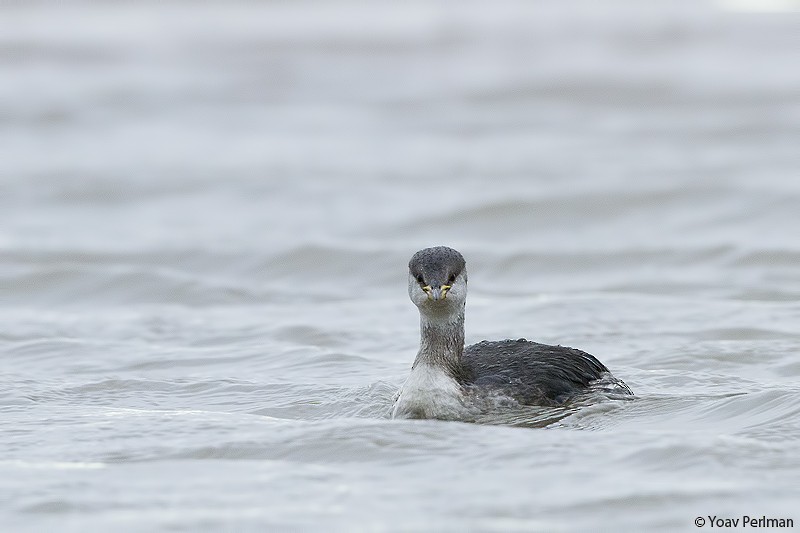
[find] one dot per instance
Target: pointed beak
(435, 293)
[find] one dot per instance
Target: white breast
(429, 392)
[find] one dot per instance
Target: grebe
(451, 382)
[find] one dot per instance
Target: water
(206, 212)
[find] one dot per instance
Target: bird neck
(441, 342)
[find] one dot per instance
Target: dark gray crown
(436, 265)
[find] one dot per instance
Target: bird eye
(451, 279)
(420, 279)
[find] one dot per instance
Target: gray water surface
(206, 212)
